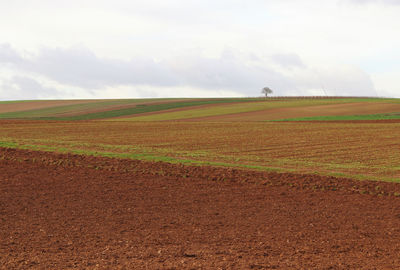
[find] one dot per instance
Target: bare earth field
(40, 104)
(281, 113)
(347, 149)
(194, 109)
(216, 188)
(67, 211)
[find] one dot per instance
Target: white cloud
(336, 81)
(94, 46)
(189, 74)
(388, 2)
(25, 88)
(288, 60)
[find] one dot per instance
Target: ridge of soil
(62, 211)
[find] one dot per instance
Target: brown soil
(166, 111)
(41, 104)
(307, 111)
(66, 211)
(371, 149)
(115, 107)
(189, 108)
(382, 121)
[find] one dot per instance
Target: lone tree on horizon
(266, 91)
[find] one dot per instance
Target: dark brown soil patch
(67, 211)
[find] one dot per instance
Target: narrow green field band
(381, 116)
(51, 112)
(248, 104)
(154, 158)
(42, 113)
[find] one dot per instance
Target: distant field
(254, 133)
(97, 109)
(207, 110)
(355, 150)
(274, 110)
(61, 109)
(381, 116)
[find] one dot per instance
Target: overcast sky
(198, 48)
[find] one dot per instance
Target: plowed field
(204, 109)
(18, 106)
(351, 149)
(66, 211)
(271, 110)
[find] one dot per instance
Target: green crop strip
(142, 109)
(175, 160)
(229, 108)
(236, 108)
(75, 108)
(17, 101)
(49, 113)
(382, 116)
(55, 113)
(134, 156)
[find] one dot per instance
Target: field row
(216, 110)
(357, 150)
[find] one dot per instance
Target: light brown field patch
(188, 108)
(366, 150)
(40, 104)
(115, 107)
(357, 108)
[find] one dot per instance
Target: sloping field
(364, 150)
(215, 110)
(65, 108)
(275, 109)
(101, 109)
(313, 112)
(66, 211)
(30, 105)
(196, 194)
(395, 117)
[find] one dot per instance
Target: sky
(53, 49)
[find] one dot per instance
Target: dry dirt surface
(62, 211)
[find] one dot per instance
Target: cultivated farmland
(365, 150)
(200, 183)
(215, 110)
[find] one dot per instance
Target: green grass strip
(235, 108)
(51, 112)
(172, 160)
(382, 116)
(16, 101)
(142, 109)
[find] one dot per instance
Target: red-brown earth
(61, 211)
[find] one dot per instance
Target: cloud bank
(98, 49)
(231, 72)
